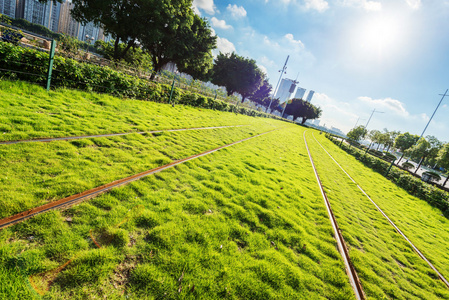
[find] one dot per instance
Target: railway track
(350, 270)
(421, 255)
(74, 199)
(68, 138)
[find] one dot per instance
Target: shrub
(406, 165)
(403, 179)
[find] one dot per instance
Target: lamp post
(89, 39)
(374, 110)
(279, 81)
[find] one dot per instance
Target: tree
(262, 93)
(435, 146)
(182, 38)
(124, 20)
(357, 133)
(419, 151)
(443, 160)
(404, 141)
(275, 104)
(375, 136)
(300, 108)
(135, 57)
(237, 74)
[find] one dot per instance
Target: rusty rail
(350, 270)
(71, 200)
(112, 134)
(388, 219)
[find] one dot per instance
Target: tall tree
(357, 133)
(300, 108)
(435, 146)
(404, 141)
(262, 93)
(182, 37)
(419, 151)
(237, 74)
(124, 20)
(443, 160)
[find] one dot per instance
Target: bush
(31, 65)
(406, 165)
(403, 179)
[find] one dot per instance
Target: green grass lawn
(28, 111)
(387, 265)
(246, 222)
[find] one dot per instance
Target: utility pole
(279, 81)
(425, 128)
(374, 110)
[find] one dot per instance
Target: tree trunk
(122, 55)
(400, 158)
(303, 120)
(116, 54)
(419, 165)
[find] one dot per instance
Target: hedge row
(414, 186)
(31, 65)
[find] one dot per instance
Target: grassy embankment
(246, 222)
(387, 265)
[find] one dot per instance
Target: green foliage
(357, 133)
(11, 35)
(35, 28)
(405, 140)
(237, 74)
(408, 166)
(70, 45)
(403, 179)
(69, 73)
(299, 108)
(134, 57)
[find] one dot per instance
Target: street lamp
(89, 39)
(277, 85)
(374, 110)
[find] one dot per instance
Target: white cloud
(388, 104)
(414, 4)
(219, 23)
(365, 4)
(207, 5)
(224, 45)
(290, 38)
(236, 11)
(318, 5)
(372, 6)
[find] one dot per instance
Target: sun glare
(379, 37)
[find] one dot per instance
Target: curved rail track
(350, 270)
(71, 200)
(442, 278)
(68, 138)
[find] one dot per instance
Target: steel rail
(388, 219)
(350, 270)
(71, 200)
(68, 138)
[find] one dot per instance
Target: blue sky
(358, 55)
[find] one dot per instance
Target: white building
(310, 95)
(300, 93)
(285, 90)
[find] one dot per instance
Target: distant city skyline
(54, 16)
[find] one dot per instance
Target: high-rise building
(310, 95)
(53, 15)
(8, 8)
(285, 90)
(300, 93)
